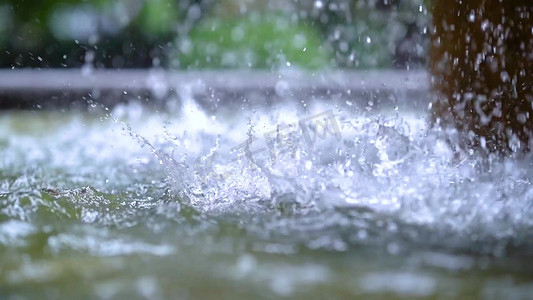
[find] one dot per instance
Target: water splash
(391, 165)
(193, 186)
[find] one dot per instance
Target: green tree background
(196, 34)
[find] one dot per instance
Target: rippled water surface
(304, 200)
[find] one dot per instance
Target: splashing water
(321, 159)
(289, 199)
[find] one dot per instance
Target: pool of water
(324, 199)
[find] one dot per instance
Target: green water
(87, 213)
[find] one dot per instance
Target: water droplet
(484, 25)
(472, 16)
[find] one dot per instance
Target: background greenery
(184, 34)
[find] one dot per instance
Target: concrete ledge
(52, 88)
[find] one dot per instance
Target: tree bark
(481, 64)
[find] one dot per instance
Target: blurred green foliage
(253, 42)
(208, 34)
(158, 16)
(28, 11)
(371, 48)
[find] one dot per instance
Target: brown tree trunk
(481, 62)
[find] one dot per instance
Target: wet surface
(304, 200)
